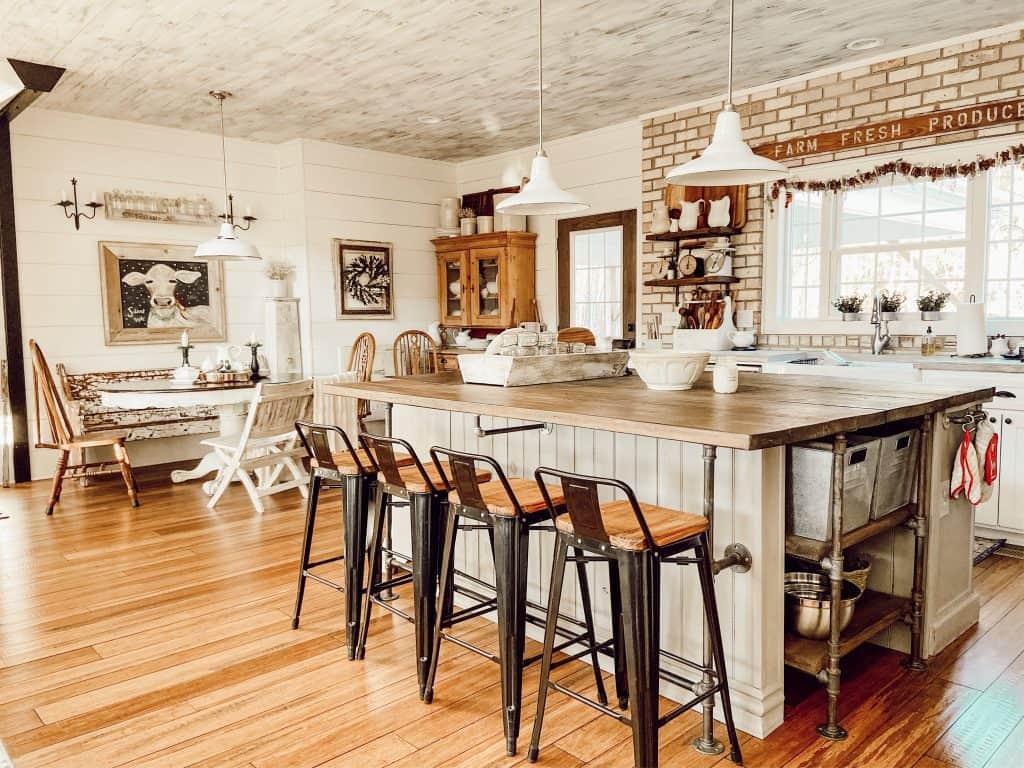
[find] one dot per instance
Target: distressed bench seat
(89, 415)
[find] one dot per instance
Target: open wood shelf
(679, 281)
(692, 234)
(873, 613)
(810, 549)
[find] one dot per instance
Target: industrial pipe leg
(831, 729)
(920, 526)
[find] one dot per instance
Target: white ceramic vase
(449, 212)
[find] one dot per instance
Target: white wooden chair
(267, 445)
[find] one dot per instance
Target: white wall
(59, 267)
(602, 167)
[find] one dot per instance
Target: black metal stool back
(464, 476)
(583, 504)
(357, 489)
(381, 451)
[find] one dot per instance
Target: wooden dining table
(229, 399)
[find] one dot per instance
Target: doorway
(597, 274)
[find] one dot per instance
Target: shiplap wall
(602, 167)
(59, 267)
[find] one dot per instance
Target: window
(596, 288)
(961, 235)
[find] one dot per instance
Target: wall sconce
(67, 205)
(230, 216)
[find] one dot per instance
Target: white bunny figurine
(719, 214)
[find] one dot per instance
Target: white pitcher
(659, 219)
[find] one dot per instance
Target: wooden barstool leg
(588, 619)
(355, 508)
(511, 563)
(615, 595)
(707, 587)
(444, 593)
(639, 577)
(58, 481)
(307, 546)
(373, 570)
(554, 605)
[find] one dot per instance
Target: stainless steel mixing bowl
(809, 601)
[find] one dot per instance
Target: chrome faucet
(880, 340)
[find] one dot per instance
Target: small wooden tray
(503, 371)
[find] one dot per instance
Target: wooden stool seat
(346, 466)
(527, 493)
(667, 526)
(412, 479)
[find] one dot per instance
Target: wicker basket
(856, 569)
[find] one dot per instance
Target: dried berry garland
(367, 279)
(784, 188)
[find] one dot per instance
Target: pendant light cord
(224, 157)
(540, 77)
(732, 26)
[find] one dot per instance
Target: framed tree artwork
(363, 279)
(151, 293)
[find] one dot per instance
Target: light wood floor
(160, 637)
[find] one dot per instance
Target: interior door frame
(625, 219)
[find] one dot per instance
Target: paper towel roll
(970, 329)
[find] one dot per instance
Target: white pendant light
(226, 246)
(727, 160)
(541, 195)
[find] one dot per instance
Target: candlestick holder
(71, 207)
(184, 354)
(254, 364)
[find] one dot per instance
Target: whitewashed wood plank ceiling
(364, 73)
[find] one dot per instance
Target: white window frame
(774, 303)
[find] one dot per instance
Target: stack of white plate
(445, 232)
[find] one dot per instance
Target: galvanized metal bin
(897, 468)
(809, 487)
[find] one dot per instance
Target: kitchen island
(725, 456)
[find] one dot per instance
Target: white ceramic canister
(449, 213)
(484, 225)
(726, 377)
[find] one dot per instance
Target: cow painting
(155, 292)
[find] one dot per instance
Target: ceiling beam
(37, 79)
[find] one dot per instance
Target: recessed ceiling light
(429, 119)
(864, 43)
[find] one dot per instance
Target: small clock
(718, 263)
(691, 266)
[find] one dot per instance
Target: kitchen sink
(851, 366)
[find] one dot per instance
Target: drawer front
(448, 361)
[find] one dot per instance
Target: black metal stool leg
(511, 563)
(554, 603)
(444, 598)
(638, 572)
(588, 619)
(615, 594)
(373, 569)
(355, 511)
(707, 587)
(425, 509)
(307, 545)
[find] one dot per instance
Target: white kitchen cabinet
(1011, 453)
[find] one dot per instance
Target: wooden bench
(88, 414)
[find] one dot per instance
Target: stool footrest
(602, 708)
(322, 580)
(668, 717)
(391, 608)
(469, 646)
(561, 647)
(328, 561)
(472, 612)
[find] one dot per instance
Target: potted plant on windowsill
(850, 307)
(279, 272)
(889, 303)
(930, 304)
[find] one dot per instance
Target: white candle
(248, 210)
(252, 340)
(63, 195)
(184, 338)
(94, 197)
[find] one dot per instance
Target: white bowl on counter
(668, 369)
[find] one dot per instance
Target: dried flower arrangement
(279, 270)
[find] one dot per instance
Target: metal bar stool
(509, 510)
(426, 491)
(638, 538)
(354, 473)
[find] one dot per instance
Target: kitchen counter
(764, 413)
(671, 447)
(939, 362)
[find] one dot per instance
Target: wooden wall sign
(916, 127)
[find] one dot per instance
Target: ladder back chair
(64, 439)
(577, 335)
(267, 445)
(360, 362)
(415, 354)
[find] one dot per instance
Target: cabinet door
(1011, 452)
(987, 513)
(453, 287)
(489, 300)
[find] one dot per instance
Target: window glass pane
(597, 280)
(858, 219)
(1004, 257)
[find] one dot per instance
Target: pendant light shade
(728, 160)
(541, 195)
(226, 246)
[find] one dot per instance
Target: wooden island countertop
(768, 410)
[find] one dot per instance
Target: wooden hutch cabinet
(485, 281)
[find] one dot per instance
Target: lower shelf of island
(875, 612)
(812, 549)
